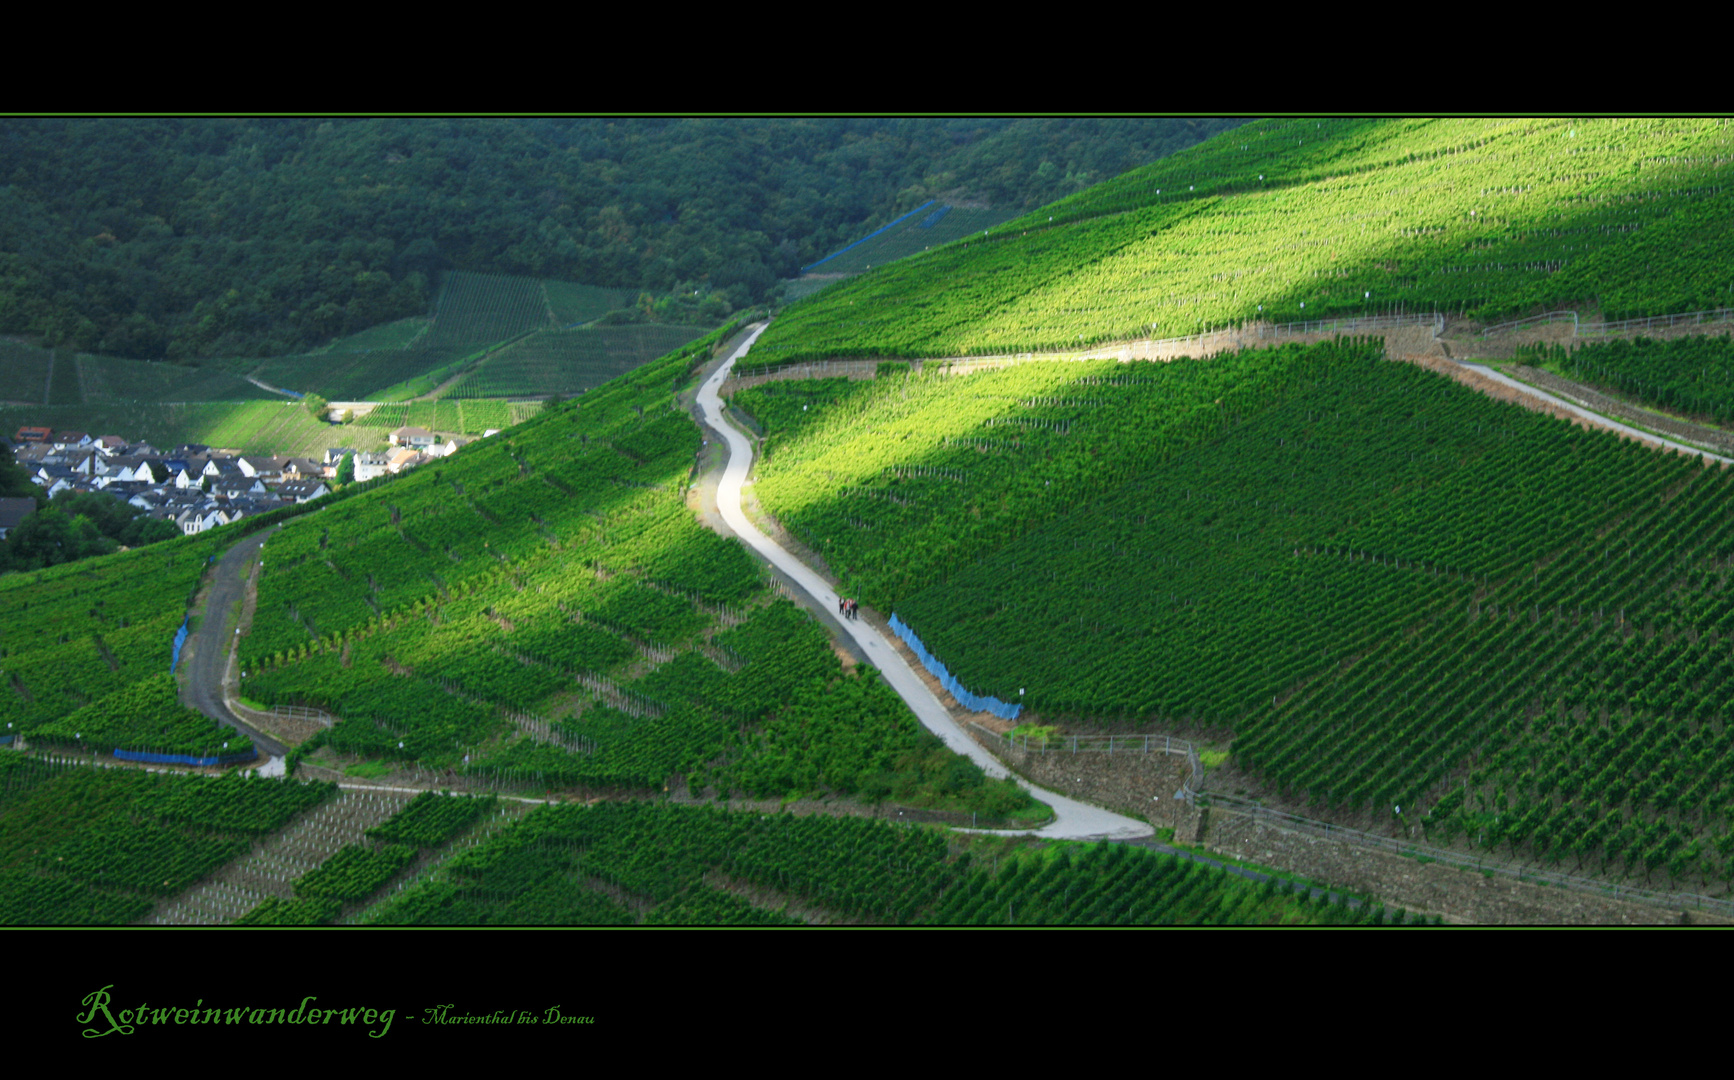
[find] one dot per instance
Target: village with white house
(200, 487)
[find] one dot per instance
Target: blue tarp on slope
(180, 639)
(869, 236)
(186, 759)
(974, 702)
(932, 219)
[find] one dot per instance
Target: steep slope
(1288, 220)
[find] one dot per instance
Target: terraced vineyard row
(937, 225)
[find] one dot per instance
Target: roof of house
(413, 433)
(14, 511)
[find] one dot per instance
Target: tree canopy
(190, 238)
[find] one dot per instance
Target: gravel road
(1073, 820)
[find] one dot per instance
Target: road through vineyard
(1073, 820)
(210, 656)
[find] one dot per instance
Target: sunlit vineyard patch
(1287, 220)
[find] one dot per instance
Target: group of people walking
(846, 607)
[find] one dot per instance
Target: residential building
(421, 438)
(13, 512)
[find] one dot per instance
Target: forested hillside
(193, 238)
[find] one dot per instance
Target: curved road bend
(1073, 820)
(210, 660)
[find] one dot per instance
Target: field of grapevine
(658, 864)
(940, 224)
(460, 416)
(112, 381)
(355, 376)
(1394, 592)
(63, 388)
(570, 361)
(253, 427)
(1688, 376)
(543, 609)
(73, 635)
(23, 373)
(92, 846)
(478, 309)
(411, 357)
(400, 334)
(572, 303)
(1286, 220)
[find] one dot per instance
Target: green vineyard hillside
(573, 866)
(1393, 591)
(1288, 220)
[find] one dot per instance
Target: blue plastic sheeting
(5, 740)
(180, 639)
(932, 219)
(973, 702)
(869, 236)
(186, 759)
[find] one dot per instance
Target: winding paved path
(1593, 417)
(210, 659)
(1073, 820)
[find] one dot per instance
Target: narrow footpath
(1072, 821)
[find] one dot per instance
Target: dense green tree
(15, 482)
(51, 536)
(193, 238)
